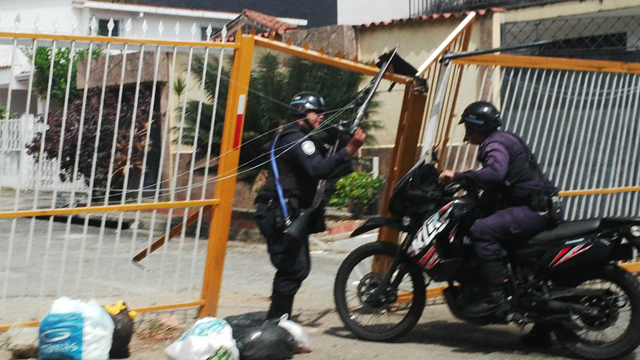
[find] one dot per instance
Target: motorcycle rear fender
(378, 222)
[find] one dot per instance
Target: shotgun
(299, 226)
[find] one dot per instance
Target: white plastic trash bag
(209, 338)
(75, 330)
(297, 331)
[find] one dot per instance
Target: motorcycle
(567, 277)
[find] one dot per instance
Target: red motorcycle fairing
(426, 249)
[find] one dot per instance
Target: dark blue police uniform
(507, 169)
(301, 165)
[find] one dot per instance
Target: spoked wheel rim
(612, 319)
(388, 316)
(611, 327)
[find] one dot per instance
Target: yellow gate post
(405, 149)
(227, 171)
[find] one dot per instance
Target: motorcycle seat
(566, 230)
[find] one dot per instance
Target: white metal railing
(110, 144)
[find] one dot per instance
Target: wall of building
(73, 17)
(358, 12)
(41, 14)
(417, 40)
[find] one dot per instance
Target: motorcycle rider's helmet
(481, 116)
(306, 101)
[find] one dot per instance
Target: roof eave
(430, 17)
(158, 10)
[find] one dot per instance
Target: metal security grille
(605, 37)
(581, 125)
(438, 6)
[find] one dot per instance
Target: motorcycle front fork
(386, 291)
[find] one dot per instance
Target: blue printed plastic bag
(75, 330)
(61, 336)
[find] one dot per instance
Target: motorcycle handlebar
(429, 196)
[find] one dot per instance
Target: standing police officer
(297, 165)
(527, 200)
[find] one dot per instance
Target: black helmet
(306, 101)
(481, 116)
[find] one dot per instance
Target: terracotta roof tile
(268, 21)
(263, 23)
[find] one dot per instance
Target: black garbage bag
(259, 339)
(121, 334)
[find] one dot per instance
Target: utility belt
(271, 220)
(273, 205)
(549, 205)
(544, 202)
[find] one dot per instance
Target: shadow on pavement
(465, 338)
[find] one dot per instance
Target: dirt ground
(149, 339)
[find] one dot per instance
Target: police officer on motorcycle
(527, 201)
(297, 165)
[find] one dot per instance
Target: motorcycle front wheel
(389, 316)
(613, 329)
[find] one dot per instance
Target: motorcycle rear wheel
(356, 279)
(615, 332)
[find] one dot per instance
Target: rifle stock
(299, 226)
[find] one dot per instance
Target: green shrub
(358, 189)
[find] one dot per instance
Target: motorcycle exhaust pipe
(564, 307)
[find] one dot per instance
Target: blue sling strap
(276, 174)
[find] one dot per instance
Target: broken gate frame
(221, 204)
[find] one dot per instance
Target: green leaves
(62, 59)
(360, 188)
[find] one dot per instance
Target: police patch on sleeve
(308, 147)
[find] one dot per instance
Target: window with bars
(103, 27)
(419, 7)
(614, 38)
(203, 32)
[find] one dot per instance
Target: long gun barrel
(370, 91)
(298, 227)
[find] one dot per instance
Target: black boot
(493, 274)
(539, 336)
(280, 305)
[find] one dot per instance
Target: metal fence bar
(623, 162)
(635, 168)
(85, 261)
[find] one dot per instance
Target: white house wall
(43, 14)
(417, 41)
(357, 12)
(74, 17)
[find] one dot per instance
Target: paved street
(246, 287)
(247, 284)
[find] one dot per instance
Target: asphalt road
(246, 287)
